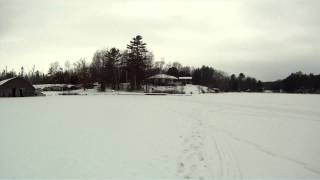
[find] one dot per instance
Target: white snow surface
(188, 89)
(208, 136)
(195, 89)
(41, 86)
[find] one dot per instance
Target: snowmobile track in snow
(206, 155)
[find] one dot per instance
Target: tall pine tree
(112, 58)
(137, 61)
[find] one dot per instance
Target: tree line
(298, 82)
(111, 67)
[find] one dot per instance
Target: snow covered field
(209, 136)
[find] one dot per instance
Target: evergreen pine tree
(137, 61)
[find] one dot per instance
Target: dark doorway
(21, 93)
(13, 92)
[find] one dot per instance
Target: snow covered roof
(162, 76)
(187, 78)
(25, 82)
(5, 81)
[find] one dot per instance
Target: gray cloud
(263, 38)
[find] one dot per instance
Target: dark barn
(16, 87)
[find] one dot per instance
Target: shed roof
(162, 76)
(6, 80)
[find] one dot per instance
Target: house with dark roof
(16, 87)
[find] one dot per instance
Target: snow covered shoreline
(67, 89)
(220, 136)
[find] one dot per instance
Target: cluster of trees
(243, 83)
(207, 76)
(111, 67)
(33, 75)
(296, 83)
(212, 78)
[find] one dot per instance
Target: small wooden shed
(16, 87)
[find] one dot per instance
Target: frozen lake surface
(213, 136)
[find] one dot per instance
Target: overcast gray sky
(266, 39)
